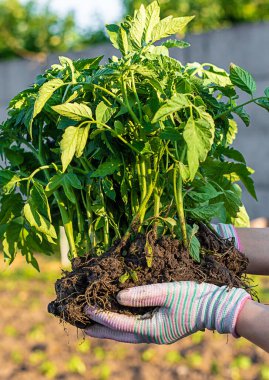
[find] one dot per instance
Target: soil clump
(94, 280)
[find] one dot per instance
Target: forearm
(254, 243)
(253, 324)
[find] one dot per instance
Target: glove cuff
(226, 306)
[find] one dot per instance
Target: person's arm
(253, 324)
(254, 243)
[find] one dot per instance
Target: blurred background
(33, 344)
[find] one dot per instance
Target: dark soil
(95, 280)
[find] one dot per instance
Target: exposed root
(95, 280)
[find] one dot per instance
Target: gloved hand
(184, 308)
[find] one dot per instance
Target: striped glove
(183, 308)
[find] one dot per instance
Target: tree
(209, 14)
(31, 31)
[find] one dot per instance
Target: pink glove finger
(115, 321)
(102, 332)
(147, 295)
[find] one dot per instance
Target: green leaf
(67, 62)
(170, 133)
(168, 26)
(87, 63)
(44, 94)
(99, 223)
(205, 212)
(263, 102)
(123, 41)
(138, 26)
(123, 278)
(149, 253)
(35, 219)
(11, 240)
(233, 154)
(242, 79)
(119, 128)
(106, 168)
(103, 113)
(234, 172)
(113, 31)
(176, 103)
(152, 19)
(241, 112)
(39, 198)
(11, 206)
(14, 156)
(194, 244)
(68, 145)
(8, 181)
(198, 135)
(194, 248)
(69, 192)
(54, 183)
(184, 172)
(232, 131)
(109, 189)
(73, 180)
(159, 50)
(75, 111)
(175, 44)
(133, 275)
(67, 181)
(32, 260)
(266, 92)
(241, 219)
(82, 137)
(203, 193)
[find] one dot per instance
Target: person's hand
(183, 308)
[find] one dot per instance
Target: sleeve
(228, 231)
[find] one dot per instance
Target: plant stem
(177, 182)
(106, 233)
(143, 189)
(124, 91)
(234, 108)
(136, 96)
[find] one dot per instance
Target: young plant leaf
(176, 103)
(199, 136)
(44, 94)
(242, 79)
(263, 102)
(241, 112)
(68, 145)
(113, 30)
(35, 219)
(106, 168)
(168, 26)
(138, 27)
(176, 44)
(74, 111)
(152, 19)
(194, 244)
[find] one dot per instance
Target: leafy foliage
(140, 143)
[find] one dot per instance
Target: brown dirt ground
(34, 346)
